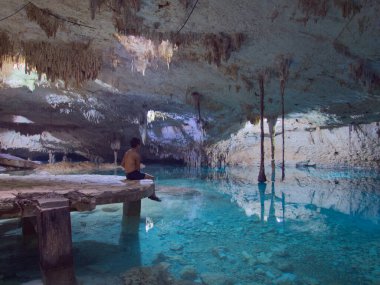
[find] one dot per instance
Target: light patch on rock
(106, 86)
(93, 116)
(145, 53)
(57, 99)
(12, 139)
(13, 74)
(21, 119)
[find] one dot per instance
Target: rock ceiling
(95, 68)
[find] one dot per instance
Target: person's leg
(148, 176)
(153, 196)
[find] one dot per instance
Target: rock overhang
(333, 52)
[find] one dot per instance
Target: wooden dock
(44, 202)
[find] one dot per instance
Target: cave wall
(353, 145)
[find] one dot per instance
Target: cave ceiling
(96, 68)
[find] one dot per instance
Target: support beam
(29, 226)
(59, 276)
(132, 208)
(54, 233)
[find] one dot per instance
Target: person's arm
(123, 161)
(137, 161)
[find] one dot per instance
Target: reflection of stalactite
(261, 78)
(272, 210)
(262, 188)
(283, 66)
(272, 133)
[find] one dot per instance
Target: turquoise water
(221, 227)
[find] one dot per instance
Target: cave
(258, 122)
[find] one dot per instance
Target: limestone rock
(188, 273)
(216, 279)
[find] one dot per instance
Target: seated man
(131, 165)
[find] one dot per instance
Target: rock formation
(82, 73)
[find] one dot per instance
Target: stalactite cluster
(363, 72)
(313, 7)
(125, 18)
(43, 18)
(220, 46)
(348, 7)
(67, 61)
(94, 5)
(6, 47)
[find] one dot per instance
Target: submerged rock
(189, 273)
(216, 279)
(285, 279)
(306, 163)
(110, 209)
(157, 275)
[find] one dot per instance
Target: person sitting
(131, 165)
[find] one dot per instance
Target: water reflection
(343, 191)
(130, 241)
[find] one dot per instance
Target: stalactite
(283, 70)
(115, 146)
(125, 17)
(272, 120)
(66, 61)
(197, 102)
(43, 18)
(221, 45)
(94, 5)
(261, 78)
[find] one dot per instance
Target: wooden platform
(20, 195)
(44, 202)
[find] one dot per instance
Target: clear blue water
(317, 227)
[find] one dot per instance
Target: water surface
(316, 227)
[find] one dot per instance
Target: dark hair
(135, 142)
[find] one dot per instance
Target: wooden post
(59, 276)
(54, 233)
(129, 236)
(28, 226)
(132, 208)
